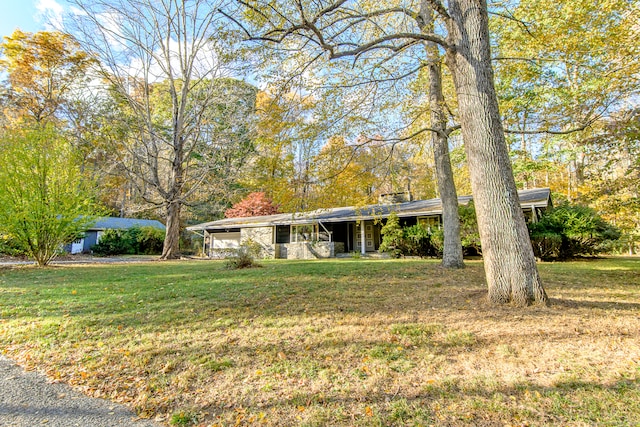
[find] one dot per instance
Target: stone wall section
(306, 250)
(262, 236)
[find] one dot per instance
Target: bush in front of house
(415, 240)
(561, 233)
(245, 256)
(568, 231)
(469, 234)
(133, 241)
(392, 237)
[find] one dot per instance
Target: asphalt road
(27, 399)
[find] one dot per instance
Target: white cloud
(51, 13)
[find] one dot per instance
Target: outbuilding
(93, 234)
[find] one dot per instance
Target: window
(283, 234)
(430, 222)
(303, 233)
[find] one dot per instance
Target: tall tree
(452, 247)
(384, 31)
(285, 143)
(344, 173)
(146, 49)
(42, 69)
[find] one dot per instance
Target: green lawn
(339, 342)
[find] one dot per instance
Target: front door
(369, 237)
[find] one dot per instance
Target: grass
(342, 342)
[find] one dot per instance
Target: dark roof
(538, 197)
(105, 223)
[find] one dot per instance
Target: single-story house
(323, 233)
(93, 234)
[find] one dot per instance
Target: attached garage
(218, 243)
(225, 240)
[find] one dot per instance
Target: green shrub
(415, 240)
(149, 240)
(10, 246)
(571, 230)
(469, 233)
(113, 242)
(393, 241)
(245, 256)
(135, 240)
(419, 241)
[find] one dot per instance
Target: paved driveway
(27, 399)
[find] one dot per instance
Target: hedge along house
(323, 233)
(93, 233)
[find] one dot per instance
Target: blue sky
(28, 15)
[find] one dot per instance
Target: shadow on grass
(595, 305)
(453, 403)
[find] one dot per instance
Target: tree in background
(176, 52)
(279, 167)
(564, 72)
(346, 174)
(49, 81)
(45, 200)
(255, 204)
(43, 69)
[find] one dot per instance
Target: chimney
(393, 198)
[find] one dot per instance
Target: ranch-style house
(323, 233)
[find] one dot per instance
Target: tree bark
(510, 265)
(452, 248)
(171, 247)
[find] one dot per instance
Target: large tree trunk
(452, 250)
(510, 266)
(171, 247)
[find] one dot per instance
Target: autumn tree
(49, 82)
(284, 145)
(570, 70)
(177, 52)
(42, 70)
(378, 33)
(563, 70)
(45, 200)
(254, 204)
(344, 177)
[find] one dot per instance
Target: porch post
(362, 235)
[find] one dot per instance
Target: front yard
(333, 342)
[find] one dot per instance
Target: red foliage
(254, 204)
